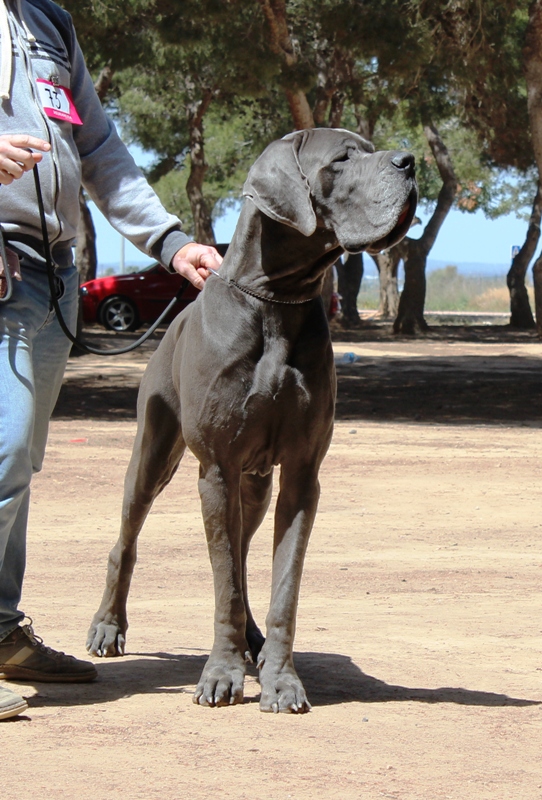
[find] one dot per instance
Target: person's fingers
(5, 178)
(18, 161)
(193, 261)
(195, 277)
(15, 159)
(211, 259)
(12, 167)
(194, 252)
(26, 141)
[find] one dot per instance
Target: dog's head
(332, 178)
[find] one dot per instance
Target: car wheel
(119, 314)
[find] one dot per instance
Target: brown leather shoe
(24, 657)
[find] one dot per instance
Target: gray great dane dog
(244, 377)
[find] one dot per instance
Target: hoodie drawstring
(6, 59)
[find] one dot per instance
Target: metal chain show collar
(256, 295)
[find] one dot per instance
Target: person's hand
(15, 158)
(194, 260)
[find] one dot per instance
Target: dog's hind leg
(158, 449)
(255, 498)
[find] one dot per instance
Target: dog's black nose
(405, 162)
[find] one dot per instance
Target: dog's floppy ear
(277, 186)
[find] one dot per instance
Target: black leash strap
(86, 348)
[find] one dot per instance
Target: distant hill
(470, 268)
(465, 268)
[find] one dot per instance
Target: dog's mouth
(404, 214)
(400, 229)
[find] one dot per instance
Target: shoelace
(38, 642)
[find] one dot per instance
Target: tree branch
(103, 82)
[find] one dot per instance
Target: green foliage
(153, 108)
(481, 185)
(231, 144)
(393, 64)
(111, 31)
(479, 44)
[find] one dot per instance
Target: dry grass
(450, 290)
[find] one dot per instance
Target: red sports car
(125, 302)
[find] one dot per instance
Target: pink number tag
(57, 102)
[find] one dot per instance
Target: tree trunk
(103, 83)
(203, 226)
(521, 315)
(337, 108)
(532, 59)
(327, 290)
(350, 274)
(387, 263)
(281, 43)
(86, 258)
(532, 62)
(85, 249)
(365, 126)
(537, 281)
(410, 318)
(299, 109)
(324, 93)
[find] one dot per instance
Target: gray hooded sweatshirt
(44, 50)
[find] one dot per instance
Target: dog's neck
(278, 266)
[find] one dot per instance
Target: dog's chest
(265, 392)
(276, 386)
(273, 417)
(281, 411)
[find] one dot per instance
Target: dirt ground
(419, 626)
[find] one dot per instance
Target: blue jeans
(33, 356)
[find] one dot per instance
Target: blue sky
(463, 239)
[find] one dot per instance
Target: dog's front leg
(282, 689)
(256, 493)
(222, 679)
(158, 448)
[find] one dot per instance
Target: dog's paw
(220, 686)
(105, 640)
(282, 692)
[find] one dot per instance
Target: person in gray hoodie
(51, 115)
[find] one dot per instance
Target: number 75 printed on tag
(57, 102)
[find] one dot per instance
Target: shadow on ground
(438, 387)
(462, 389)
(329, 679)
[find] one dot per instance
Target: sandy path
(418, 629)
